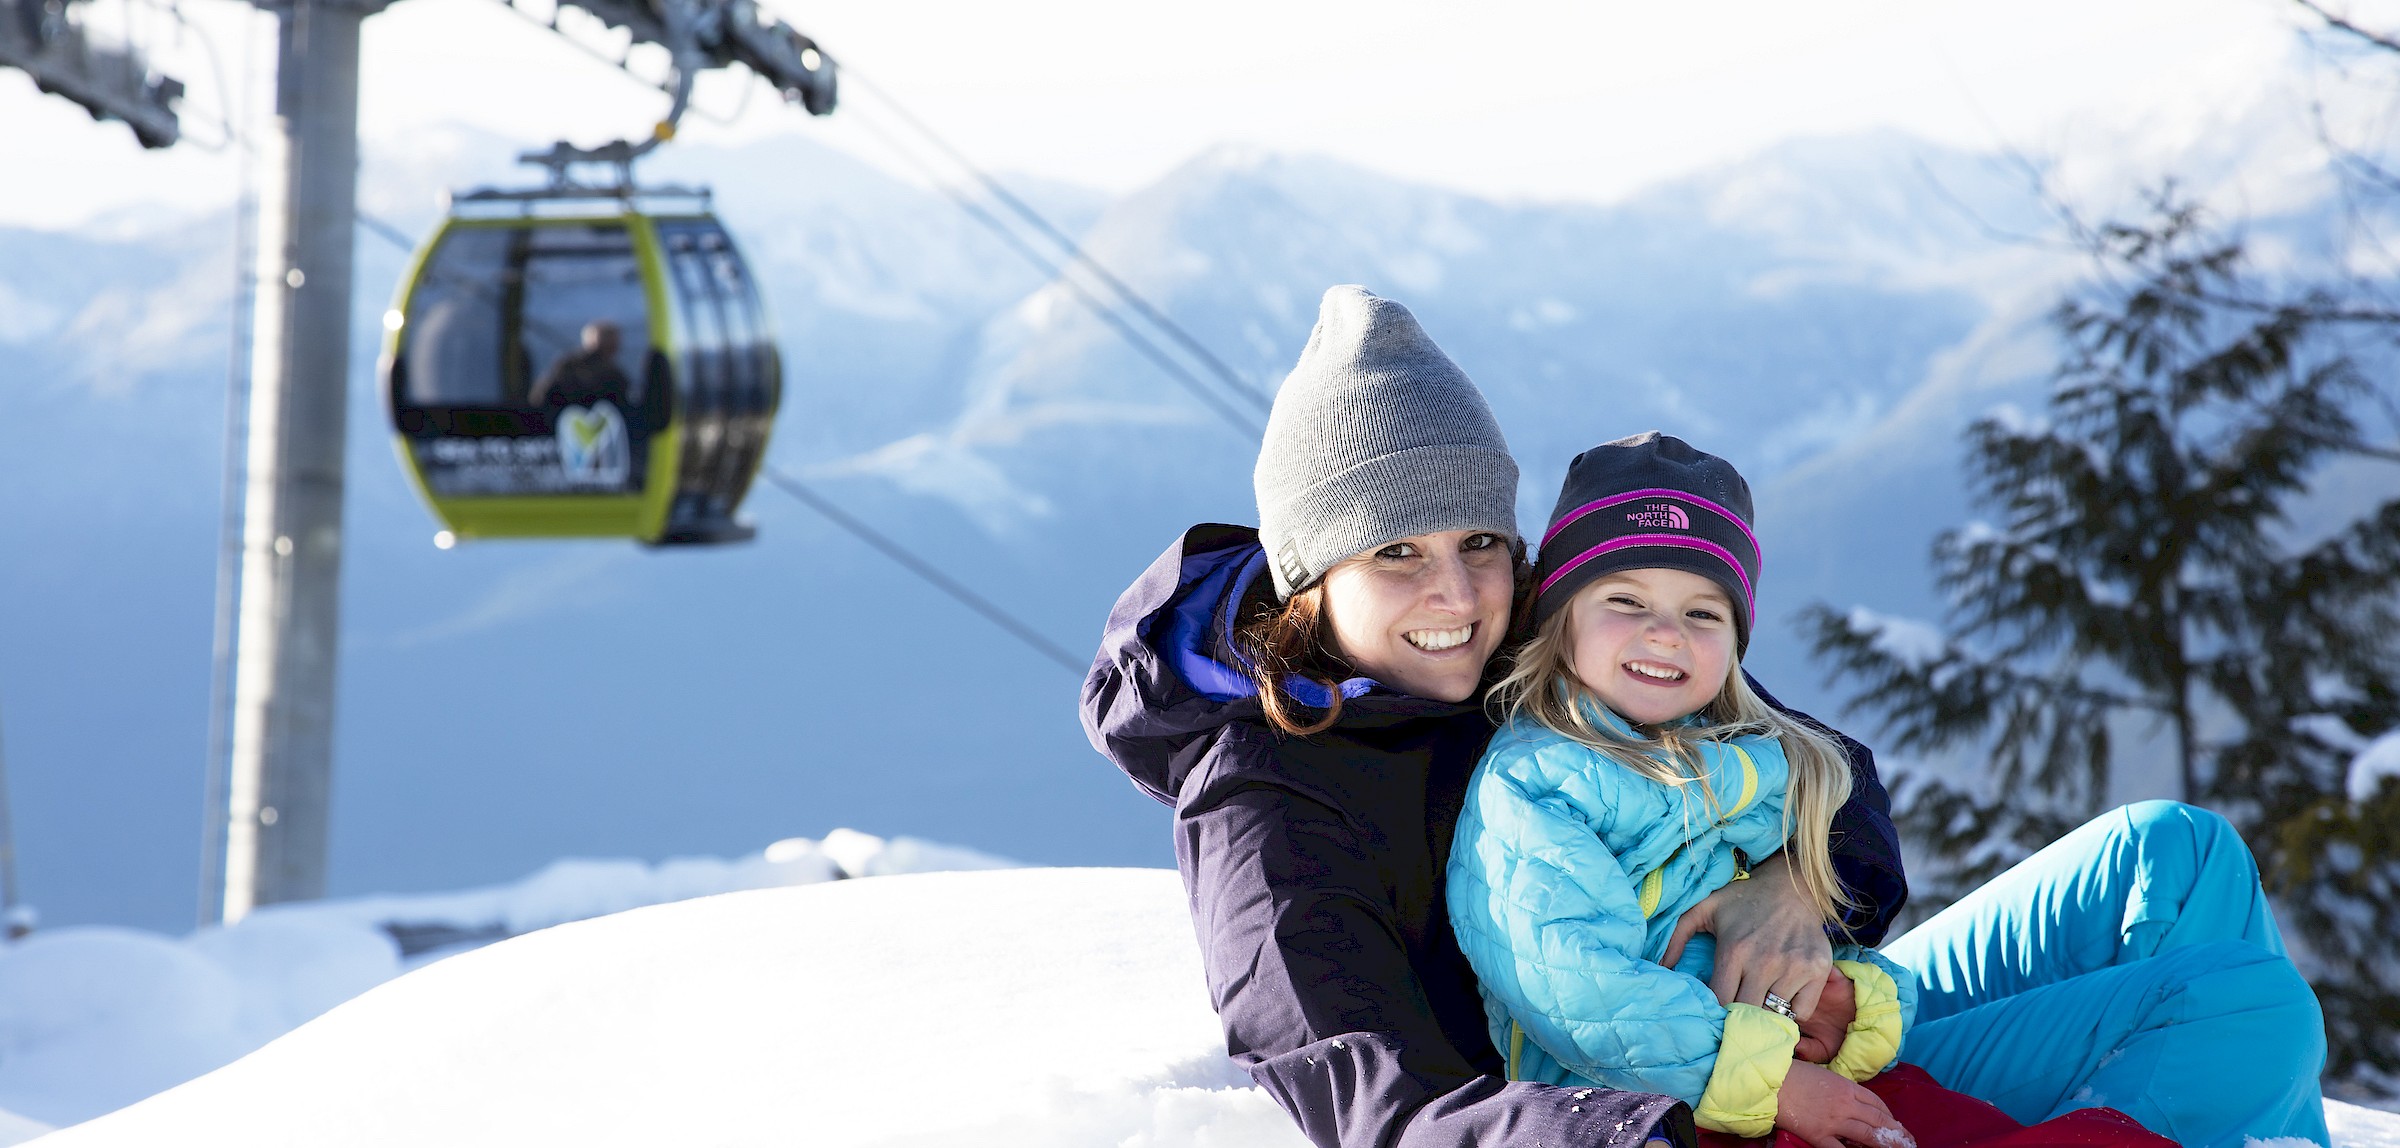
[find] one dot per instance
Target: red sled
(1939, 1118)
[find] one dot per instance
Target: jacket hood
(1167, 675)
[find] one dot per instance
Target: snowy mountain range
(1827, 315)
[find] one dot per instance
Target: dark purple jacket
(1314, 867)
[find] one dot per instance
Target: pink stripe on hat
(1686, 542)
(1655, 492)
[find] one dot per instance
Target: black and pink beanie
(1644, 502)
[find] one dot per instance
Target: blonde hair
(1541, 684)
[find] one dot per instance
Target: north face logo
(1661, 516)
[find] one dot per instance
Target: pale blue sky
(1548, 100)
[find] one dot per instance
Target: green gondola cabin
(582, 363)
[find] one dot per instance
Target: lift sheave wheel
(566, 364)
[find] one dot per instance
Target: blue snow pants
(2131, 964)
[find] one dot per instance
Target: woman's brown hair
(1282, 641)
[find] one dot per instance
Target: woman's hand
(1769, 940)
(1822, 1034)
(1822, 1107)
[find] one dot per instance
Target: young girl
(1638, 773)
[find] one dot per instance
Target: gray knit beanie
(1376, 435)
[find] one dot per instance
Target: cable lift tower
(288, 626)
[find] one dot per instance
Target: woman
(1308, 697)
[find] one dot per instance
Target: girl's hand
(1769, 940)
(1822, 1107)
(1822, 1034)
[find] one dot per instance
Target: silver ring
(1781, 1007)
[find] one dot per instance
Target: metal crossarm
(703, 34)
(40, 37)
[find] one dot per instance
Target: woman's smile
(1423, 614)
(1438, 641)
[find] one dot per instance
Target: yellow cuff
(1752, 1061)
(1873, 1042)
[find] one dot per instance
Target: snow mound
(1053, 1007)
(95, 1018)
(1056, 1007)
(2356, 1127)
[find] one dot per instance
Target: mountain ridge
(503, 704)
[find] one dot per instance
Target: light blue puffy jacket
(1566, 878)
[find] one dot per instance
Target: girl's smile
(1653, 645)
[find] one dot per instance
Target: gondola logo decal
(593, 448)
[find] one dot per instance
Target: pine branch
(2359, 562)
(2140, 567)
(2366, 449)
(2324, 312)
(2338, 23)
(1934, 703)
(2364, 166)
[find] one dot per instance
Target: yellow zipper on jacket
(1749, 782)
(1654, 886)
(1654, 883)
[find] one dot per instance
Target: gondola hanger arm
(703, 34)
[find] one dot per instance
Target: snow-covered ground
(93, 1019)
(1057, 1007)
(1053, 1007)
(2356, 1127)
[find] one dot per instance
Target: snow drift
(93, 1019)
(1055, 1007)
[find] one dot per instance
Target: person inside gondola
(586, 374)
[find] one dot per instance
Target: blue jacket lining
(1216, 587)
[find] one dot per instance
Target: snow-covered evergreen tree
(2144, 565)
